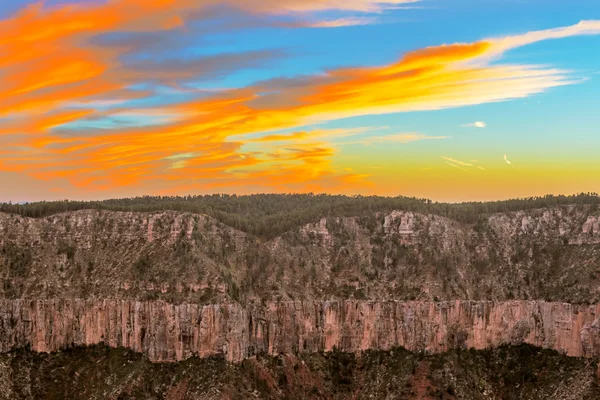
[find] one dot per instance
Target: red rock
(167, 332)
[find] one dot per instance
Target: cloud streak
(342, 22)
(452, 160)
(501, 45)
(398, 138)
(456, 166)
(462, 165)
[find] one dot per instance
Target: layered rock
(168, 332)
(547, 254)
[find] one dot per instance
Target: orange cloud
(320, 134)
(278, 138)
(212, 132)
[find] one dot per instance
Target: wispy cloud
(456, 166)
(476, 124)
(399, 138)
(452, 160)
(460, 164)
(315, 134)
(506, 159)
(342, 22)
(501, 45)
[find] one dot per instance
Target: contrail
(505, 159)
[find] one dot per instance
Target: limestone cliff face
(167, 332)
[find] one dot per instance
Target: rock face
(168, 332)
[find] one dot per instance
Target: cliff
(173, 285)
(168, 332)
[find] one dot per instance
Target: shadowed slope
(101, 373)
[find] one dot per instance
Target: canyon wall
(548, 254)
(178, 280)
(169, 332)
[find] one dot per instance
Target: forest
(269, 215)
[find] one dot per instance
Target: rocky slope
(548, 254)
(516, 372)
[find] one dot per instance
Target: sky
(452, 100)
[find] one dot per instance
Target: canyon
(177, 287)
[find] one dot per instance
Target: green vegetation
(269, 215)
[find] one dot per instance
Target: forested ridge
(269, 215)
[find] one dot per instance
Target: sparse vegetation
(98, 372)
(18, 259)
(188, 257)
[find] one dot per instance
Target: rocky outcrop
(168, 332)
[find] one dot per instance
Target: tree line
(269, 215)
